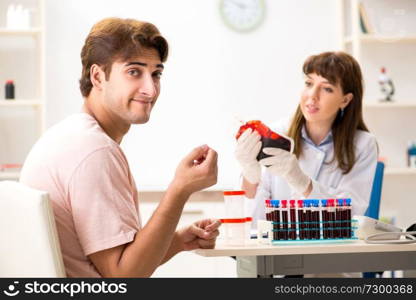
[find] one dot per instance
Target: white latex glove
(248, 147)
(283, 163)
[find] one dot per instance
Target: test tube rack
(309, 220)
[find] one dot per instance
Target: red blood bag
(269, 138)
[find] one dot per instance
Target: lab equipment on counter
(374, 231)
(236, 225)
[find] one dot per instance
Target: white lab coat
(327, 179)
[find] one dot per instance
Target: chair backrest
(374, 206)
(29, 245)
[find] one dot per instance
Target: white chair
(29, 245)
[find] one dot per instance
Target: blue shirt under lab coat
(327, 179)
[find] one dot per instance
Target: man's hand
(201, 234)
(198, 170)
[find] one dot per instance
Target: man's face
(133, 87)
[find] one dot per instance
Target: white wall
(211, 75)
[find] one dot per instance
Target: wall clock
(242, 15)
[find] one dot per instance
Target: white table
(259, 260)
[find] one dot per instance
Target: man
(80, 163)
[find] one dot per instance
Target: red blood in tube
(347, 205)
(285, 220)
(317, 219)
(344, 221)
(308, 220)
(341, 222)
(278, 224)
(348, 218)
(331, 218)
(314, 217)
(301, 220)
(268, 212)
(292, 233)
(325, 219)
(338, 218)
(273, 217)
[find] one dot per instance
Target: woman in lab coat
(334, 156)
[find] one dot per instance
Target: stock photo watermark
(66, 288)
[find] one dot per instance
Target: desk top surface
(299, 248)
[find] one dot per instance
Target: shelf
(22, 32)
(374, 38)
(394, 104)
(21, 102)
(400, 171)
(9, 175)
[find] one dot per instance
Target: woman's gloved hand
(248, 147)
(285, 164)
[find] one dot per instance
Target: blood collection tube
(273, 218)
(292, 232)
(314, 219)
(344, 230)
(268, 210)
(308, 219)
(277, 220)
(301, 220)
(347, 219)
(339, 218)
(324, 213)
(312, 224)
(331, 218)
(285, 219)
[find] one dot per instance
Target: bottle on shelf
(17, 17)
(411, 154)
(9, 89)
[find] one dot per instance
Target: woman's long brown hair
(336, 67)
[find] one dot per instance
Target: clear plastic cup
(234, 204)
(235, 231)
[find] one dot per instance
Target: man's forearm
(175, 247)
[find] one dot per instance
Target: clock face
(242, 15)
